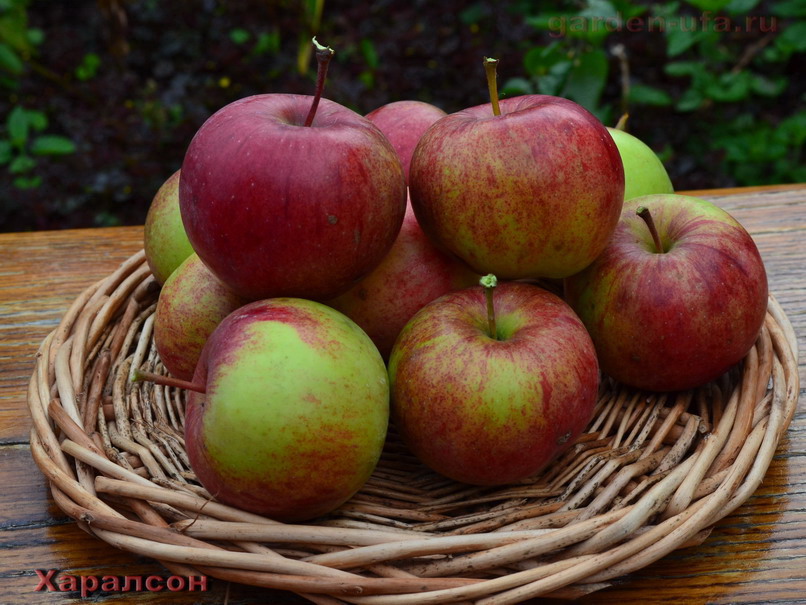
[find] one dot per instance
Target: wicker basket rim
(649, 476)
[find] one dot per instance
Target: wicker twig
(653, 473)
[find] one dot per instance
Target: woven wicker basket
(652, 473)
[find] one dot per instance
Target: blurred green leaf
(27, 182)
(52, 145)
(789, 8)
(10, 61)
(730, 87)
(740, 7)
(793, 38)
(88, 67)
(474, 13)
(6, 150)
(17, 124)
(540, 59)
(516, 86)
(35, 36)
(587, 78)
(369, 53)
(690, 100)
(642, 94)
(684, 68)
(769, 86)
(267, 43)
(21, 164)
(679, 40)
(239, 35)
(709, 5)
(36, 119)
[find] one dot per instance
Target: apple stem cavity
(622, 122)
(323, 56)
(490, 66)
(167, 381)
(644, 213)
(489, 282)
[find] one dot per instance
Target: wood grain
(755, 555)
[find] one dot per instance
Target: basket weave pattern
(652, 473)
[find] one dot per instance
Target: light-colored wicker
(651, 474)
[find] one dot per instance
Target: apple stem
(490, 68)
(622, 122)
(644, 213)
(167, 381)
(323, 56)
(489, 282)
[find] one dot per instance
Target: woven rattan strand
(652, 473)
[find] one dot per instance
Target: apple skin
(275, 208)
(295, 412)
(403, 123)
(165, 242)
(644, 173)
(413, 274)
(533, 192)
(486, 411)
(191, 304)
(672, 321)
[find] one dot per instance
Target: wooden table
(757, 554)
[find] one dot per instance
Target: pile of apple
(305, 295)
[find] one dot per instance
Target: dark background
(123, 85)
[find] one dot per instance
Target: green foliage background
(99, 98)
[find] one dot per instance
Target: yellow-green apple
(413, 274)
(165, 242)
(644, 173)
(677, 297)
(532, 190)
(288, 409)
(403, 123)
(284, 195)
(488, 390)
(191, 304)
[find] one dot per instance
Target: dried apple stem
(167, 381)
(622, 122)
(489, 282)
(490, 68)
(644, 213)
(323, 56)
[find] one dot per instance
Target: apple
(489, 390)
(165, 242)
(288, 409)
(413, 274)
(291, 195)
(191, 304)
(529, 187)
(677, 297)
(403, 123)
(644, 173)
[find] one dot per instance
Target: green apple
(166, 243)
(295, 409)
(644, 173)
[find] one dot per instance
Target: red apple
(677, 312)
(403, 123)
(191, 304)
(294, 409)
(491, 410)
(413, 274)
(283, 195)
(534, 191)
